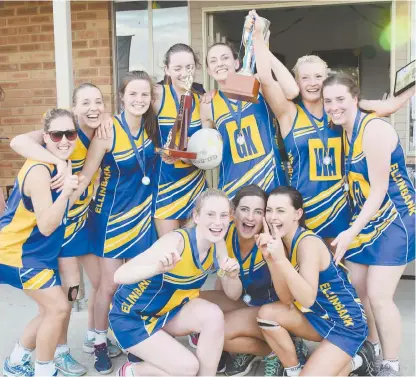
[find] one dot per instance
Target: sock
(91, 334)
(20, 354)
(60, 349)
(293, 371)
(44, 368)
(394, 364)
(100, 337)
(377, 349)
(270, 355)
(356, 362)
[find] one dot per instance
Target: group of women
(276, 239)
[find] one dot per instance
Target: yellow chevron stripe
(182, 182)
(133, 212)
(39, 279)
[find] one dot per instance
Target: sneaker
(133, 358)
(103, 364)
(302, 351)
(387, 370)
(126, 370)
(88, 347)
(193, 339)
(241, 364)
(222, 365)
(377, 364)
(25, 369)
(68, 366)
(367, 354)
(273, 366)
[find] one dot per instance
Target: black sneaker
(302, 351)
(133, 358)
(103, 364)
(367, 354)
(223, 362)
(241, 364)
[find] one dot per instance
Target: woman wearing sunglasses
(88, 108)
(31, 235)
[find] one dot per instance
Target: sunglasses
(57, 136)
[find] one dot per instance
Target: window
(144, 32)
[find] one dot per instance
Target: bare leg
(359, 278)
(105, 291)
(91, 265)
(381, 284)
(166, 226)
(222, 300)
(56, 308)
(28, 338)
(242, 333)
(287, 319)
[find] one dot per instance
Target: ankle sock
(100, 337)
(356, 362)
(44, 368)
(377, 349)
(394, 364)
(293, 371)
(91, 334)
(60, 349)
(20, 354)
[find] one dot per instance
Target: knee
(107, 287)
(187, 367)
(377, 299)
(59, 309)
(272, 315)
(212, 318)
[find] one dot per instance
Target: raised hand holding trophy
(243, 85)
(177, 141)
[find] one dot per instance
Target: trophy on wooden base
(177, 141)
(243, 86)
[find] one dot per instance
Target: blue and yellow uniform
(28, 259)
(257, 160)
(389, 237)
(76, 241)
(325, 202)
(254, 272)
(141, 309)
(121, 220)
(337, 313)
(179, 184)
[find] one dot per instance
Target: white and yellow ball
(207, 144)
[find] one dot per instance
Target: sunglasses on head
(57, 136)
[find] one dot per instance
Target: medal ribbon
(353, 139)
(195, 253)
(244, 280)
(177, 103)
(140, 160)
(235, 116)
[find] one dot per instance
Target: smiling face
(220, 61)
(137, 97)
(248, 216)
(213, 218)
(63, 148)
(179, 64)
(281, 212)
(89, 107)
(310, 77)
(339, 104)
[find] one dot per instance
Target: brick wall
(27, 65)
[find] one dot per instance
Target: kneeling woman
(31, 235)
(159, 298)
(326, 307)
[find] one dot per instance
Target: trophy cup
(177, 141)
(243, 85)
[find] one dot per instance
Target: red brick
(30, 66)
(2, 22)
(86, 34)
(46, 9)
(87, 53)
(8, 31)
(78, 26)
(105, 71)
(79, 44)
(86, 16)
(48, 65)
(37, 84)
(29, 29)
(13, 4)
(8, 12)
(78, 6)
(8, 49)
(5, 112)
(9, 67)
(27, 11)
(3, 41)
(4, 59)
(99, 62)
(30, 47)
(17, 39)
(98, 43)
(46, 28)
(44, 93)
(31, 119)
(20, 75)
(50, 101)
(10, 120)
(42, 38)
(47, 47)
(87, 72)
(18, 21)
(98, 5)
(104, 53)
(103, 34)
(41, 19)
